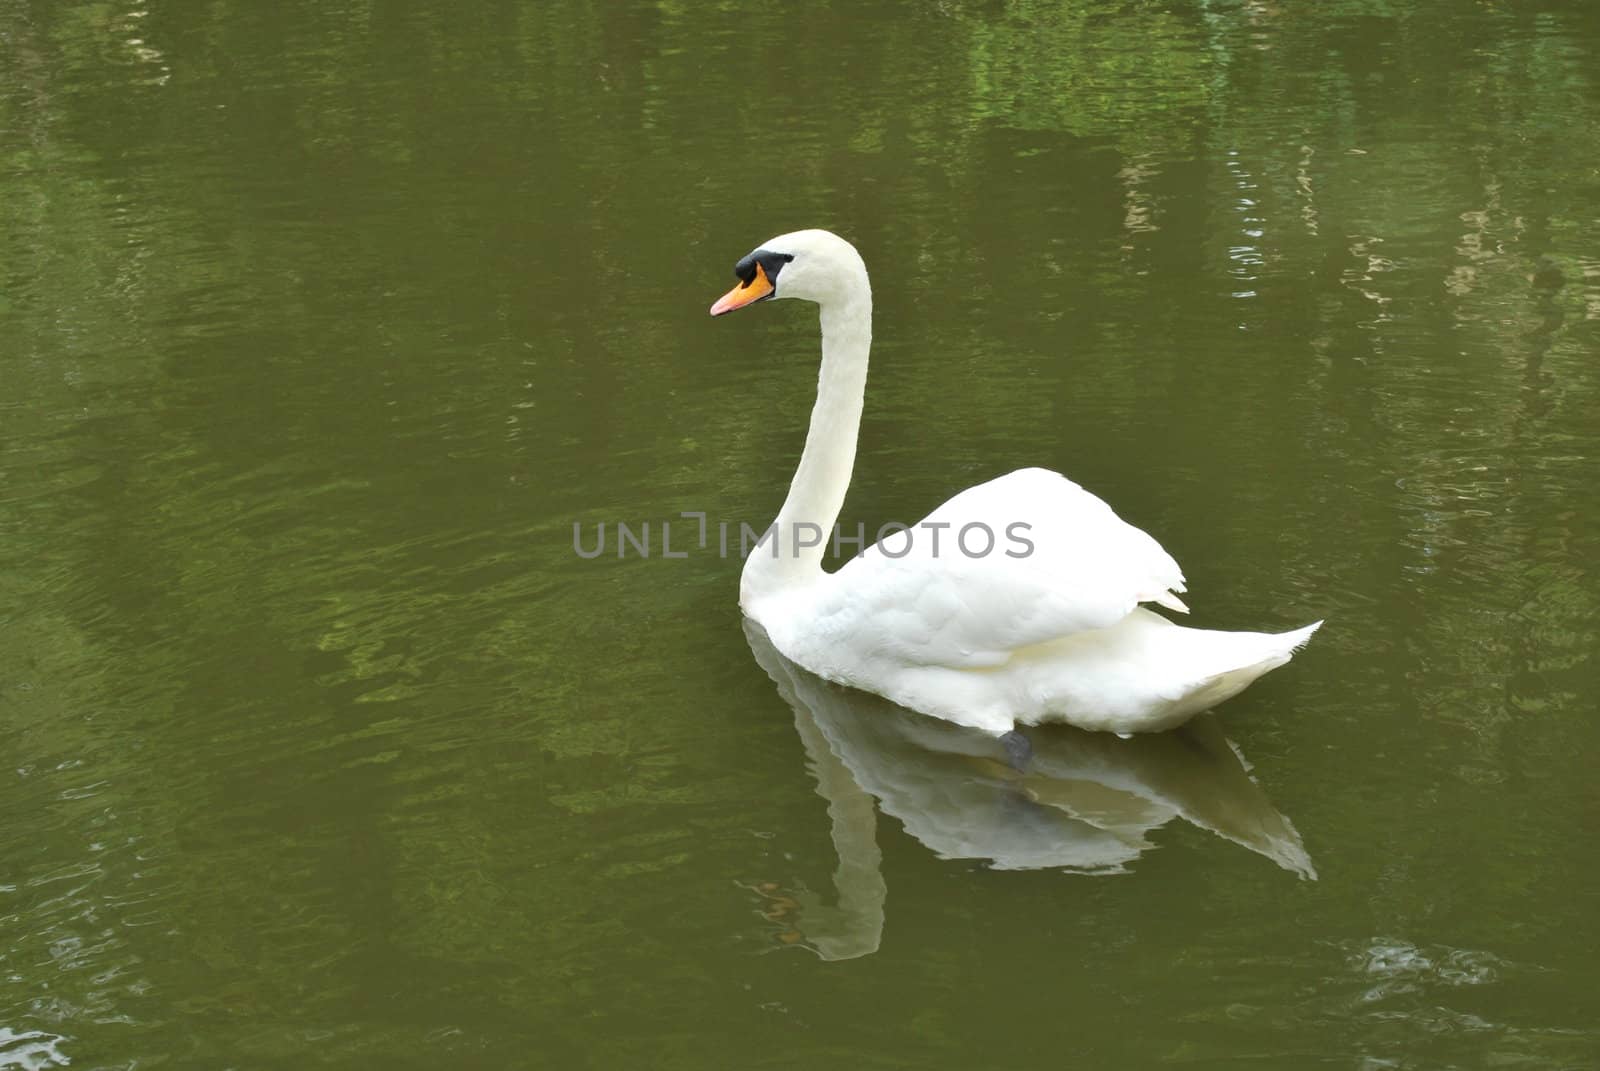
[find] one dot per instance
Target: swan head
(814, 265)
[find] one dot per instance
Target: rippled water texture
(322, 324)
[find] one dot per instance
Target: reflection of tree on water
(1086, 802)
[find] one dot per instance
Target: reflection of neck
(855, 927)
(817, 491)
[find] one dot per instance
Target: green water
(321, 324)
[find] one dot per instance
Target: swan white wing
(1086, 569)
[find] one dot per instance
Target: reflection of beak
(744, 293)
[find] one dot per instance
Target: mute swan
(1045, 626)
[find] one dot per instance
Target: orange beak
(744, 293)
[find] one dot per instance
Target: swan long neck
(817, 491)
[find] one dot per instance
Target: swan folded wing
(905, 600)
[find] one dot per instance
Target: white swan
(1013, 636)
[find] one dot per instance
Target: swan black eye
(771, 263)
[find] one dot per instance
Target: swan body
(1039, 617)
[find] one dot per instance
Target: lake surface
(322, 324)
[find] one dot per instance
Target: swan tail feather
(1301, 636)
(1213, 688)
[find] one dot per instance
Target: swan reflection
(1086, 802)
